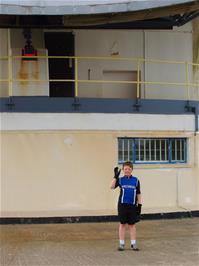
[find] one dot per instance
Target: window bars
(152, 150)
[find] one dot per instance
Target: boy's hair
(128, 164)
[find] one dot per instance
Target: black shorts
(127, 214)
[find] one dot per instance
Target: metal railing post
(187, 79)
(76, 77)
(138, 78)
(9, 66)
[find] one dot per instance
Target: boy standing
(129, 203)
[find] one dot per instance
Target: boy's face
(127, 170)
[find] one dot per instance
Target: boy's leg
(132, 231)
(122, 228)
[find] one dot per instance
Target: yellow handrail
(76, 80)
(187, 79)
(113, 58)
(138, 79)
(105, 81)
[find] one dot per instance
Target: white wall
(95, 121)
(173, 45)
(104, 43)
(33, 70)
(21, 69)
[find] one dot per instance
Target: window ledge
(165, 166)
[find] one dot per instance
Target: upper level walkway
(124, 85)
(145, 78)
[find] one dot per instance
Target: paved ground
(164, 242)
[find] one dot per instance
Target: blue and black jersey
(129, 188)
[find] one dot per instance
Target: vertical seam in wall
(144, 65)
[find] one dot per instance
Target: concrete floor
(163, 242)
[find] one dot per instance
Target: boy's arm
(138, 192)
(139, 198)
(113, 183)
(139, 206)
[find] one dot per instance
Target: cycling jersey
(129, 188)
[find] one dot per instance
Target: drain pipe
(192, 109)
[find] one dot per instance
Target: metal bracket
(76, 104)
(192, 109)
(137, 105)
(10, 103)
(189, 108)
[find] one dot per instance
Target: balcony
(45, 83)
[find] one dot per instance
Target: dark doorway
(60, 44)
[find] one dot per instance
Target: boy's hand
(138, 209)
(116, 172)
(138, 212)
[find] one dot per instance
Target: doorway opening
(60, 44)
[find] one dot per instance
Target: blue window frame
(152, 150)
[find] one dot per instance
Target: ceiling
(104, 14)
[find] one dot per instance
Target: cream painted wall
(49, 173)
(60, 172)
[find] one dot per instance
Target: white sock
(121, 242)
(133, 242)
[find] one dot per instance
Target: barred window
(152, 150)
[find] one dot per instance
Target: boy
(129, 203)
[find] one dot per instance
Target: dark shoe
(121, 248)
(133, 247)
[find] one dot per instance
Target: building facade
(92, 99)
